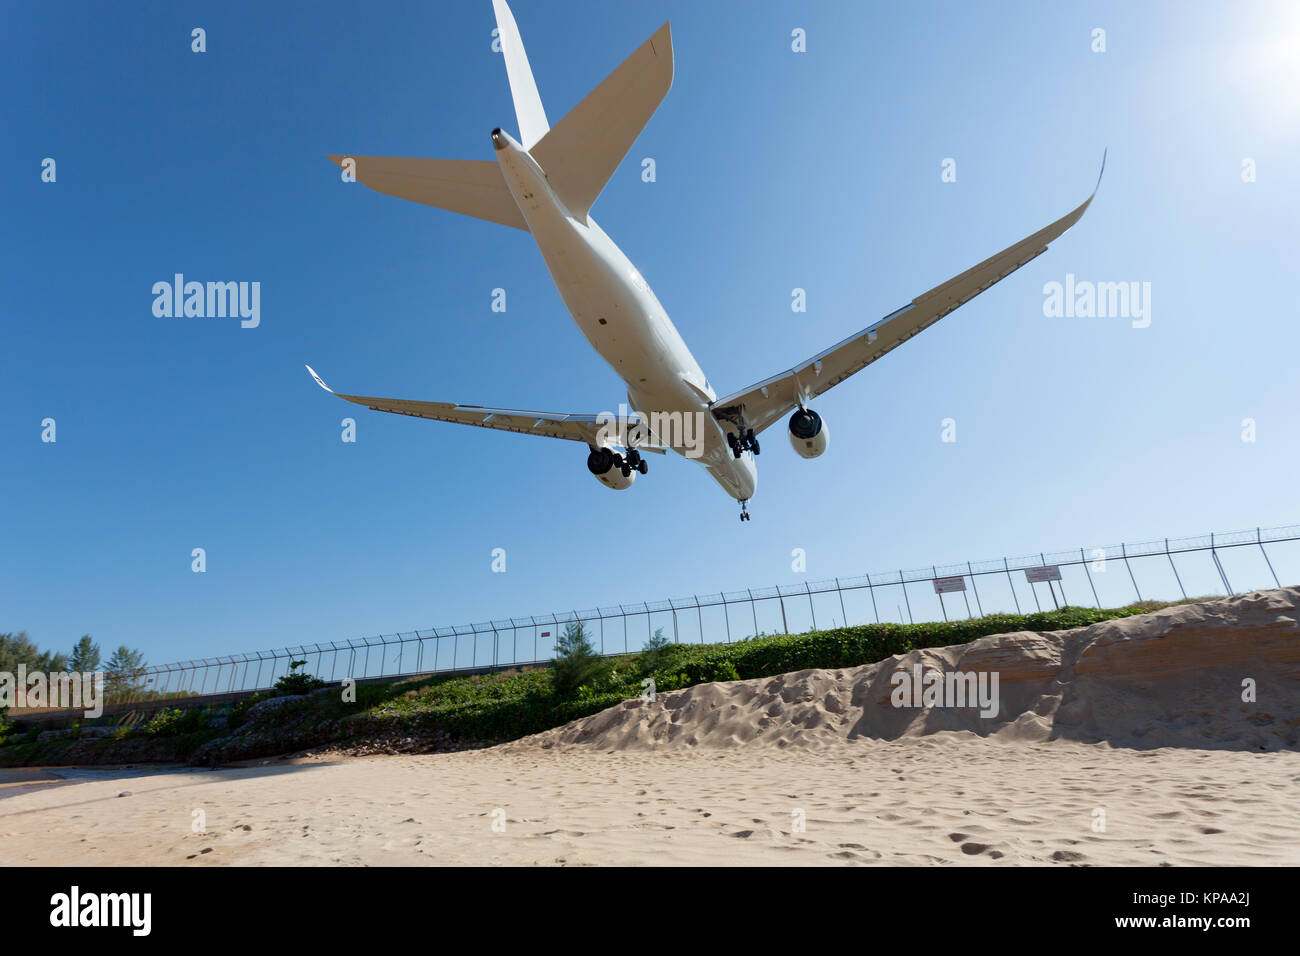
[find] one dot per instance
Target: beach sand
(1125, 743)
(948, 798)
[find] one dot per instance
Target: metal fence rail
(617, 629)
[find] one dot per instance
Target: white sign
(944, 585)
(1051, 572)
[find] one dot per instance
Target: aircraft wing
(583, 428)
(768, 401)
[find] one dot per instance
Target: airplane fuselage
(620, 316)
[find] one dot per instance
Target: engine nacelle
(608, 469)
(808, 433)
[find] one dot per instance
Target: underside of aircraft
(546, 183)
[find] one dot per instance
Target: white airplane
(545, 183)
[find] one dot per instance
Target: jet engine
(808, 433)
(608, 467)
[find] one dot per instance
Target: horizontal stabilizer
(468, 186)
(581, 151)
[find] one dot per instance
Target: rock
(265, 708)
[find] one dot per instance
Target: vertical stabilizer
(528, 104)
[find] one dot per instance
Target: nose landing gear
(744, 510)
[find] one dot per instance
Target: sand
(1124, 743)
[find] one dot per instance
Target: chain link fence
(1211, 565)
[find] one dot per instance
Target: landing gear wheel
(642, 467)
(744, 510)
(747, 442)
(627, 470)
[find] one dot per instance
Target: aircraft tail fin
(523, 89)
(581, 152)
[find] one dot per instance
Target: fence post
(726, 616)
(700, 614)
(1215, 554)
(1088, 575)
(978, 603)
(1171, 564)
(785, 626)
(811, 610)
(1260, 541)
(1123, 550)
(752, 610)
(1006, 567)
(1043, 558)
(906, 599)
(844, 615)
(943, 607)
(871, 589)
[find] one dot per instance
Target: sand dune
(1126, 743)
(1172, 678)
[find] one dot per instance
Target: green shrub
(297, 682)
(175, 720)
(239, 709)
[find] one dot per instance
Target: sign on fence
(946, 585)
(1051, 572)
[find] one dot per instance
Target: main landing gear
(744, 510)
(632, 462)
(747, 442)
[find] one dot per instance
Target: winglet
(1102, 173)
(319, 381)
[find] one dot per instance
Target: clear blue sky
(776, 170)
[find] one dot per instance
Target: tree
(576, 661)
(652, 653)
(18, 649)
(125, 674)
(85, 656)
(297, 681)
